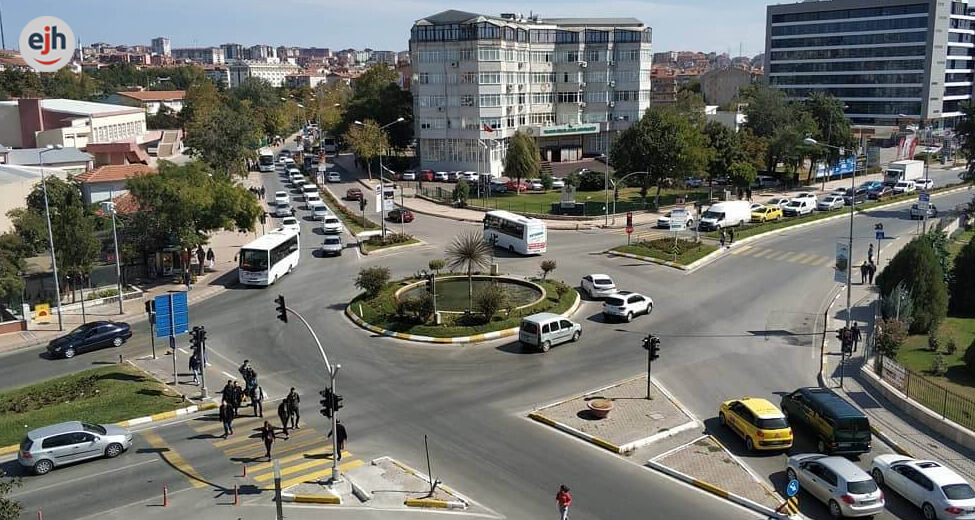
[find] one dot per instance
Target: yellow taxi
(759, 422)
(766, 213)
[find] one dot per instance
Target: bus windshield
(253, 260)
(266, 160)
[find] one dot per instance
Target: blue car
(871, 185)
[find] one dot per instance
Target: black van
(840, 427)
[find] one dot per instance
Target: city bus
(329, 145)
(265, 160)
(514, 232)
(268, 258)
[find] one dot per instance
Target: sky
(704, 25)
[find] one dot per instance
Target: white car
(755, 207)
(334, 177)
(597, 285)
(313, 199)
(283, 159)
(332, 245)
(291, 223)
(289, 162)
(284, 210)
(904, 187)
(806, 196)
(319, 211)
(469, 176)
(408, 175)
(797, 207)
(281, 197)
(536, 185)
(626, 304)
(331, 225)
(830, 202)
(441, 176)
(294, 171)
(663, 221)
(777, 201)
(924, 184)
(937, 490)
(558, 183)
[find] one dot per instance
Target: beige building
(273, 73)
(721, 86)
(28, 123)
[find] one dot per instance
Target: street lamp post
(50, 234)
(110, 207)
(924, 217)
(382, 185)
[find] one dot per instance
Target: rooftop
(85, 108)
(31, 156)
(454, 16)
(155, 95)
(114, 173)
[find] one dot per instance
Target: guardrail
(950, 405)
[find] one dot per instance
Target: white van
(726, 214)
(545, 329)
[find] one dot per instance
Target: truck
(903, 171)
(726, 214)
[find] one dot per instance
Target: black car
(90, 336)
(860, 195)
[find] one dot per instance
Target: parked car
(90, 336)
(871, 185)
(499, 186)
(400, 215)
(597, 286)
(469, 176)
(425, 175)
(847, 490)
(755, 206)
(858, 196)
(767, 213)
(764, 182)
(333, 177)
(454, 176)
(535, 185)
(516, 186)
(281, 197)
(291, 223)
(353, 194)
(758, 422)
(830, 202)
(880, 193)
(924, 184)
(840, 428)
(331, 225)
(441, 176)
(797, 207)
(663, 221)
(545, 330)
(558, 183)
(408, 175)
(626, 304)
(806, 196)
(904, 187)
(936, 489)
(332, 245)
(44, 449)
(777, 201)
(918, 214)
(692, 182)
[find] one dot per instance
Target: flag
(485, 127)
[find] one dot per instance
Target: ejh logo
(47, 44)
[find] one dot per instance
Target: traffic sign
(678, 219)
(924, 197)
(172, 315)
(880, 234)
(629, 230)
(792, 488)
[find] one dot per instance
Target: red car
(353, 194)
(401, 215)
(426, 175)
(516, 186)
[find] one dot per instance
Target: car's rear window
(852, 429)
(774, 423)
(861, 487)
(958, 491)
(529, 327)
(602, 281)
(615, 301)
(26, 444)
(335, 240)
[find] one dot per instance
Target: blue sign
(844, 166)
(924, 197)
(172, 315)
(792, 488)
(880, 235)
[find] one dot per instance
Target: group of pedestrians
(868, 269)
(727, 237)
(260, 193)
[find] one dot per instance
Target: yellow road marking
(288, 470)
(820, 260)
(761, 252)
(260, 468)
(319, 474)
(791, 257)
(802, 258)
(775, 255)
(741, 250)
(280, 447)
(300, 437)
(218, 426)
(175, 459)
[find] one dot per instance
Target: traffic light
(646, 342)
(336, 402)
(150, 306)
(362, 204)
(282, 310)
(654, 348)
(195, 339)
(202, 336)
(846, 339)
(878, 227)
(263, 217)
(429, 282)
(326, 402)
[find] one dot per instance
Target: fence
(931, 395)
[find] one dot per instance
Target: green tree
(10, 509)
(547, 267)
(330, 104)
(469, 251)
(917, 266)
(523, 158)
(546, 181)
(202, 100)
(965, 130)
(13, 251)
(741, 174)
(489, 300)
(165, 119)
(367, 141)
(963, 281)
(223, 141)
(832, 125)
(663, 143)
(68, 85)
(17, 83)
(890, 336)
(768, 114)
(726, 150)
(377, 96)
(462, 192)
(372, 280)
(436, 265)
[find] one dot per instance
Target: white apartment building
(569, 82)
(206, 55)
(274, 73)
(162, 46)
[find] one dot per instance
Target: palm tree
(469, 251)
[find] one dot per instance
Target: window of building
(542, 98)
(541, 56)
(852, 66)
(488, 54)
(625, 36)
(467, 100)
(466, 55)
(840, 14)
(489, 78)
(596, 76)
(431, 101)
(490, 100)
(914, 51)
(546, 118)
(595, 55)
(488, 31)
(627, 95)
(493, 122)
(594, 117)
(917, 22)
(543, 77)
(567, 56)
(468, 78)
(433, 123)
(593, 36)
(568, 97)
(541, 36)
(857, 39)
(627, 54)
(600, 96)
(849, 79)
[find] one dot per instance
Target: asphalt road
(717, 327)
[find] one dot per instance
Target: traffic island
(619, 417)
(682, 254)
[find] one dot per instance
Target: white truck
(903, 171)
(726, 214)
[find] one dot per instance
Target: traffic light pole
(203, 363)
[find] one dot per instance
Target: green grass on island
(381, 312)
(663, 249)
(102, 395)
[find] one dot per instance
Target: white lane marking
(231, 376)
(76, 479)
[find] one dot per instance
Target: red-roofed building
(150, 100)
(125, 204)
(108, 182)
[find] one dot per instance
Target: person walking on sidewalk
(564, 499)
(228, 392)
(257, 401)
(864, 271)
(263, 193)
(871, 272)
(211, 258)
(293, 400)
(283, 415)
(856, 335)
(722, 238)
(267, 435)
(731, 236)
(227, 419)
(200, 256)
(870, 254)
(341, 436)
(195, 368)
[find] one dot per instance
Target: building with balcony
(273, 72)
(204, 55)
(888, 61)
(162, 46)
(569, 82)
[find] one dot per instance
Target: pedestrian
(283, 415)
(864, 270)
(341, 436)
(748, 193)
(564, 499)
(267, 435)
(263, 193)
(195, 368)
(873, 271)
(228, 392)
(293, 400)
(856, 336)
(187, 278)
(722, 239)
(257, 401)
(211, 258)
(731, 236)
(227, 419)
(200, 256)
(238, 397)
(870, 253)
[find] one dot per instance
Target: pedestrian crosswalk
(304, 456)
(781, 256)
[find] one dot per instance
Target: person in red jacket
(564, 499)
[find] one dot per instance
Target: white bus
(514, 232)
(329, 145)
(265, 160)
(268, 258)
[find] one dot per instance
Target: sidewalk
(908, 434)
(225, 245)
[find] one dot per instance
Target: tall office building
(233, 51)
(162, 46)
(568, 82)
(889, 61)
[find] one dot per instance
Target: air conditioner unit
(454, 64)
(439, 109)
(509, 88)
(583, 64)
(612, 84)
(582, 85)
(612, 104)
(612, 63)
(521, 65)
(582, 104)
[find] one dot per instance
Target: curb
(311, 499)
(716, 491)
(886, 439)
(476, 338)
(162, 416)
(461, 502)
(576, 433)
(653, 260)
(434, 503)
(391, 248)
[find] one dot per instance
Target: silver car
(51, 446)
(847, 490)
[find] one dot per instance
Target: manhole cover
(657, 416)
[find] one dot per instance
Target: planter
(600, 408)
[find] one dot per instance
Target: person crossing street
(257, 401)
(564, 499)
(341, 435)
(293, 401)
(267, 435)
(284, 416)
